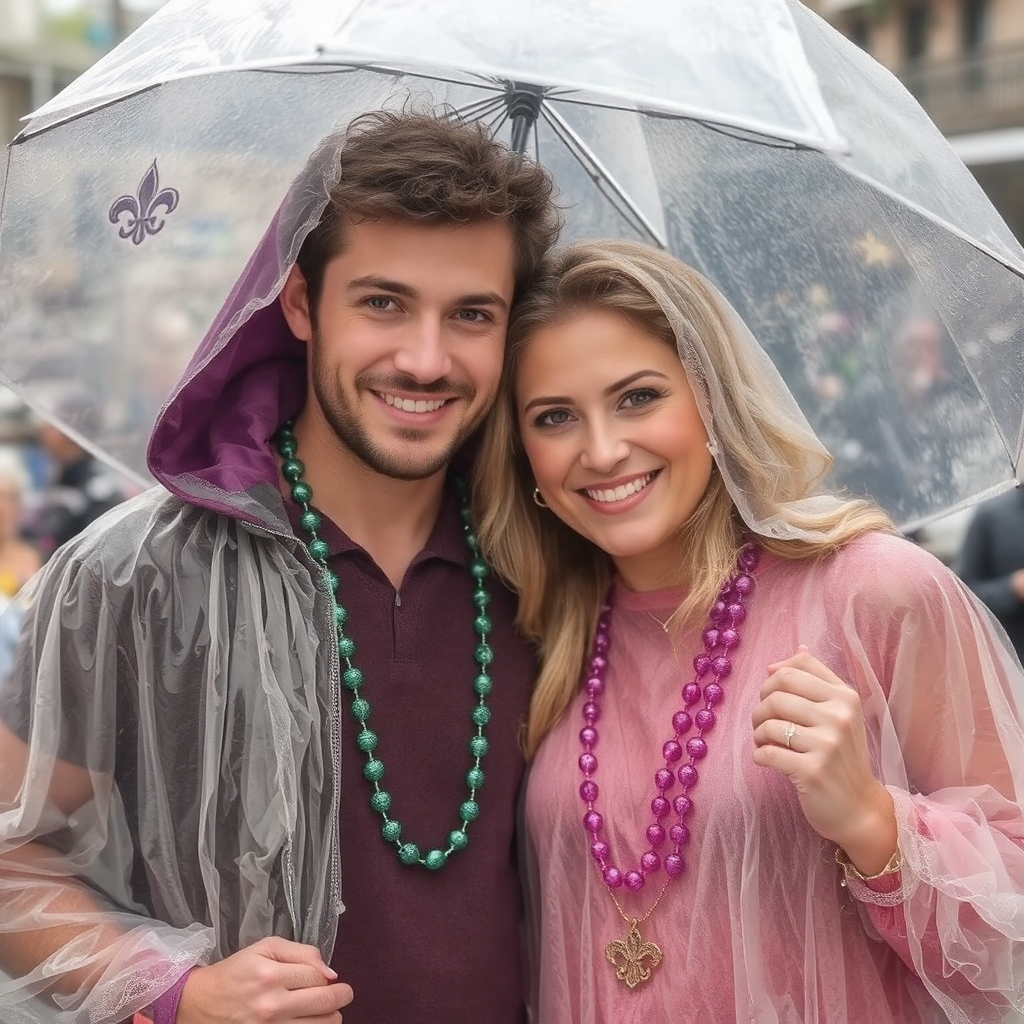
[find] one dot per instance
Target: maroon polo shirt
(417, 945)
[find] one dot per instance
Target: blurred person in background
(18, 559)
(899, 411)
(82, 486)
(991, 561)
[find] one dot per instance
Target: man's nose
(423, 353)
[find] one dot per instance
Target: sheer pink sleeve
(943, 694)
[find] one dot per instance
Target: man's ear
(294, 299)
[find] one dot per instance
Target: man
(273, 690)
(82, 488)
(991, 561)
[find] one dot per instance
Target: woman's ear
(294, 299)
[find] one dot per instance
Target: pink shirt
(758, 928)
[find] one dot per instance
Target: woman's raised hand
(809, 725)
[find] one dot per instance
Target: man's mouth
(421, 405)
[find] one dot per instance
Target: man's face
(406, 345)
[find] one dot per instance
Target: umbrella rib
(602, 177)
(27, 133)
(754, 138)
(751, 135)
(331, 66)
(398, 71)
(495, 125)
(478, 109)
(313, 68)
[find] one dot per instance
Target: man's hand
(274, 981)
(1017, 582)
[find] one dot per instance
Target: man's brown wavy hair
(418, 167)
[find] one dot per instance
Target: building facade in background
(964, 61)
(41, 52)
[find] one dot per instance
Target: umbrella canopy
(748, 138)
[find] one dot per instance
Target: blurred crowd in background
(963, 59)
(50, 490)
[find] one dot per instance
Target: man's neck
(390, 519)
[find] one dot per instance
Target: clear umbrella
(748, 138)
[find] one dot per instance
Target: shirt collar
(446, 541)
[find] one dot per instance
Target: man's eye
(382, 302)
(473, 316)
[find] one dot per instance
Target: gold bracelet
(894, 864)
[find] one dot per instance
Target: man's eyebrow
(384, 284)
(483, 299)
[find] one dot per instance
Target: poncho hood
(209, 444)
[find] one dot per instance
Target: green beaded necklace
(380, 799)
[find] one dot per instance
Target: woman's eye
(552, 418)
(640, 397)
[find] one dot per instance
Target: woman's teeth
(621, 492)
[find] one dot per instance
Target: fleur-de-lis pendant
(629, 957)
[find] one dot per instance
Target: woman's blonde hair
(560, 577)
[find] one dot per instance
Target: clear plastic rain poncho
(759, 928)
(170, 701)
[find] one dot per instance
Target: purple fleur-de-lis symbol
(142, 210)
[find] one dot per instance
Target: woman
(778, 752)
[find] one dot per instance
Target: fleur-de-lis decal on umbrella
(630, 957)
(143, 209)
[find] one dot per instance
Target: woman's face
(614, 438)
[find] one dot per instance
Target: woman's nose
(604, 450)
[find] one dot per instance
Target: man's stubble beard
(343, 418)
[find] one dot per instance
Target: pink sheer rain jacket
(759, 927)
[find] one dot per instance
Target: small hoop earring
(538, 500)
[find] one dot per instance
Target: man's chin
(399, 463)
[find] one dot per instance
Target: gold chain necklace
(664, 625)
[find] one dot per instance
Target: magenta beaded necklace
(632, 957)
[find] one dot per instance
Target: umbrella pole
(523, 102)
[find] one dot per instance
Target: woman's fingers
(787, 707)
(802, 674)
(785, 734)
